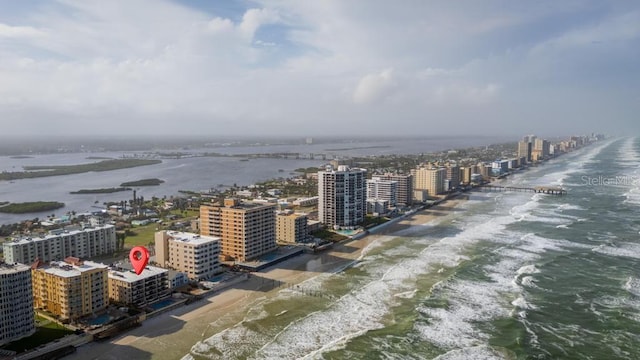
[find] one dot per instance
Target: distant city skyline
(292, 68)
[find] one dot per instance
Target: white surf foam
(632, 285)
(628, 250)
(481, 352)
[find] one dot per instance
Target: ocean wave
(453, 327)
(628, 250)
(632, 285)
(481, 352)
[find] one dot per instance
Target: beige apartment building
(128, 288)
(16, 303)
(430, 179)
(193, 254)
(71, 288)
(246, 230)
(291, 228)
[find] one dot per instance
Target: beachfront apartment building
(291, 228)
(246, 230)
(71, 288)
(342, 196)
(196, 255)
(404, 196)
(524, 150)
(430, 179)
(16, 303)
(385, 190)
(59, 244)
(128, 288)
(453, 176)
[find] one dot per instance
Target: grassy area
(370, 221)
(44, 334)
(30, 207)
(143, 235)
(189, 213)
(329, 235)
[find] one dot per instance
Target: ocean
(507, 276)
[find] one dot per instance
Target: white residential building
(196, 255)
(16, 303)
(126, 287)
(386, 190)
(342, 196)
(59, 244)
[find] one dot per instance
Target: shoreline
(173, 334)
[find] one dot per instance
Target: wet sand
(171, 335)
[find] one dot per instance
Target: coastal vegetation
(3, 203)
(46, 331)
(328, 235)
(100, 191)
(311, 169)
(31, 207)
(143, 182)
(57, 170)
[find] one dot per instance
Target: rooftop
(191, 237)
(130, 276)
(11, 268)
(63, 269)
(27, 239)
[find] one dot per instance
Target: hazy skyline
(314, 68)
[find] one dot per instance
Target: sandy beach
(171, 335)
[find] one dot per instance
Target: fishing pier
(550, 190)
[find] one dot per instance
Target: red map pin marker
(139, 257)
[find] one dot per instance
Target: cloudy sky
(319, 67)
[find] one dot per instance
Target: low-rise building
(128, 288)
(177, 279)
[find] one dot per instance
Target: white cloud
(326, 64)
(374, 87)
(8, 31)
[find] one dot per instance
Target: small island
(31, 207)
(100, 191)
(57, 170)
(143, 182)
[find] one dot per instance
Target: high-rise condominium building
(16, 303)
(70, 288)
(524, 150)
(430, 179)
(405, 187)
(126, 287)
(342, 196)
(196, 255)
(453, 175)
(386, 190)
(59, 244)
(246, 230)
